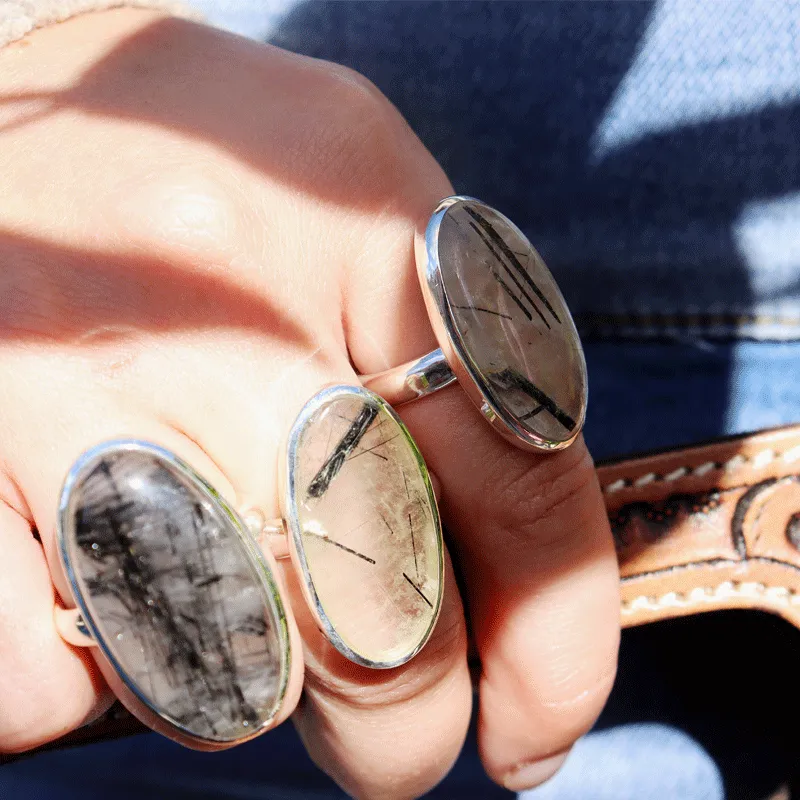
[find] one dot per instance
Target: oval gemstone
(365, 527)
(180, 602)
(510, 325)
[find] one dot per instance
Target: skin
(197, 233)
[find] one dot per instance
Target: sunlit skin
(198, 233)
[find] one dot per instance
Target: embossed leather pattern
(704, 528)
(709, 527)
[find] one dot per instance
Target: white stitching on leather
(763, 458)
(758, 460)
(779, 595)
(792, 455)
(703, 469)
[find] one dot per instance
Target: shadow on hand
(57, 293)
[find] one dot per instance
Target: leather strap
(709, 527)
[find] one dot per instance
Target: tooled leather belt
(710, 527)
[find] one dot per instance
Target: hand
(198, 232)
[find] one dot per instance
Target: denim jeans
(651, 151)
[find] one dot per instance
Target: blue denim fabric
(651, 151)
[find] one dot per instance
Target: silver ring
(504, 330)
(188, 623)
(364, 530)
(361, 526)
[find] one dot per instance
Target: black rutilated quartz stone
(177, 597)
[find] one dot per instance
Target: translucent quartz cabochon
(179, 602)
(366, 527)
(511, 323)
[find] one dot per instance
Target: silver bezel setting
(457, 356)
(126, 689)
(291, 518)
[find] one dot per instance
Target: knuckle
(437, 664)
(564, 686)
(575, 711)
(349, 746)
(558, 723)
(366, 690)
(351, 720)
(570, 719)
(353, 85)
(188, 206)
(366, 142)
(448, 644)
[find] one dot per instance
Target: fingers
(223, 400)
(352, 717)
(531, 538)
(47, 688)
(218, 387)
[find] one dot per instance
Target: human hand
(199, 232)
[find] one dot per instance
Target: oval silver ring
(503, 327)
(363, 524)
(190, 630)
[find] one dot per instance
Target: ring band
(503, 328)
(413, 380)
(72, 628)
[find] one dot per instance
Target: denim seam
(760, 327)
(690, 318)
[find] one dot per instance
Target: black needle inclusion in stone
(512, 379)
(335, 461)
(178, 604)
(340, 546)
(418, 590)
(509, 254)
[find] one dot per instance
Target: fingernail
(526, 776)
